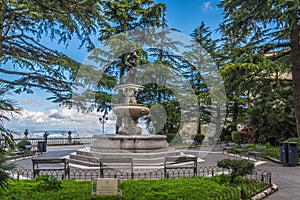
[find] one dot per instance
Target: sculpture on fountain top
(131, 66)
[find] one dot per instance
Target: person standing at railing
(69, 137)
(46, 136)
(26, 134)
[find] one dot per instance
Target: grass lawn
(171, 189)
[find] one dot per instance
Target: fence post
(101, 170)
(243, 194)
(165, 169)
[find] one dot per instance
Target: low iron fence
(87, 174)
(257, 181)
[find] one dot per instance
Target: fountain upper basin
(134, 111)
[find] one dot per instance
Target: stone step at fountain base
(90, 159)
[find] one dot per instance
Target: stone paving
(286, 178)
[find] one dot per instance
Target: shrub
(47, 182)
(198, 139)
(238, 167)
(236, 137)
(22, 143)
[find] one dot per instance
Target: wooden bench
(241, 150)
(51, 164)
(256, 153)
(228, 146)
(116, 164)
(173, 161)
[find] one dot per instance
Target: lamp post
(102, 120)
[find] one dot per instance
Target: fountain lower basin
(128, 143)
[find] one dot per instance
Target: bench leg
(36, 173)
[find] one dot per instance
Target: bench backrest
(179, 159)
(116, 161)
(260, 147)
(244, 145)
(49, 161)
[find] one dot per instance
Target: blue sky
(41, 114)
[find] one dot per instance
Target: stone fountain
(129, 142)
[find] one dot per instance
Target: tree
(275, 22)
(25, 62)
(197, 70)
(7, 107)
(240, 62)
(160, 87)
(121, 17)
(272, 117)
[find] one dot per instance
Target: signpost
(105, 186)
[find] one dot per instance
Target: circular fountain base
(147, 150)
(128, 143)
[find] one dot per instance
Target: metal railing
(56, 141)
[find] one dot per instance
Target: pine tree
(277, 24)
(197, 70)
(123, 17)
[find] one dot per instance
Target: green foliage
(4, 171)
(198, 139)
(272, 152)
(33, 63)
(270, 27)
(236, 137)
(272, 117)
(293, 140)
(46, 182)
(238, 167)
(7, 108)
(163, 122)
(21, 145)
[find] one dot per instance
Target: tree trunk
(199, 126)
(295, 58)
(122, 80)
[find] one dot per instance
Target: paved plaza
(286, 178)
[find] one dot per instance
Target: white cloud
(207, 6)
(61, 118)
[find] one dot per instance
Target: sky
(39, 114)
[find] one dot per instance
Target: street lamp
(102, 120)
